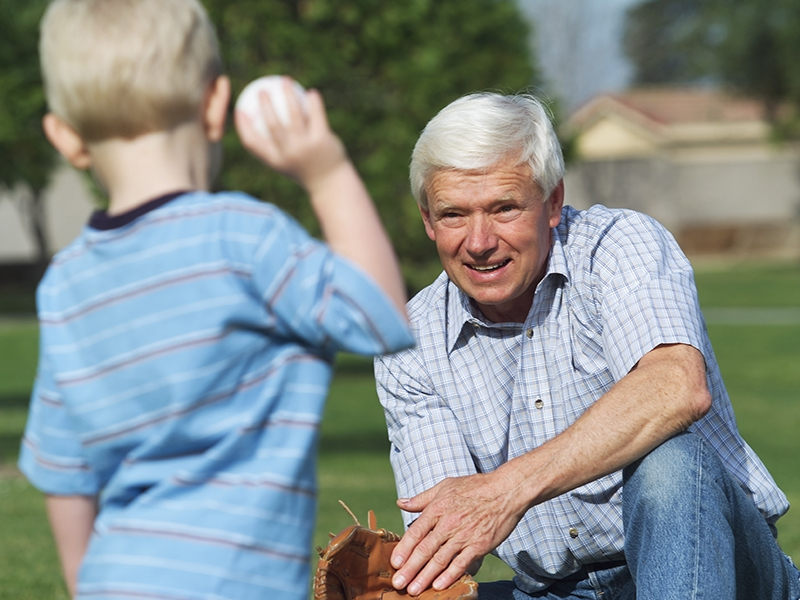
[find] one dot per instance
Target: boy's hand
(308, 151)
(305, 149)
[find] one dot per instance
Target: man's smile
(488, 268)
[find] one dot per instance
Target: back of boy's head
(123, 68)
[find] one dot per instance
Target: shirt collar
(461, 313)
(102, 221)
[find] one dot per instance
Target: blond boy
(187, 336)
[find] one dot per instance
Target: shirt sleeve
(323, 298)
(52, 457)
(427, 445)
(647, 292)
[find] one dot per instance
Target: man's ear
(555, 203)
(215, 110)
(66, 140)
(426, 218)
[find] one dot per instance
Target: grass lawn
(760, 361)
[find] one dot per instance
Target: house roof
(639, 121)
(658, 107)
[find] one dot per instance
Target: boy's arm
(310, 153)
(71, 519)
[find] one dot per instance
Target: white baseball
(250, 104)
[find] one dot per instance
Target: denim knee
(670, 474)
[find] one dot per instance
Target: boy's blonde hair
(123, 68)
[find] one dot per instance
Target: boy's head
(123, 68)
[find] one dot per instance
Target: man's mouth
(489, 268)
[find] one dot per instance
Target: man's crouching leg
(692, 532)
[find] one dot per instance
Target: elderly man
(563, 408)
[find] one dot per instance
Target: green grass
(759, 364)
(749, 285)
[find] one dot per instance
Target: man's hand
(462, 520)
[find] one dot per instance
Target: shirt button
(573, 533)
(539, 403)
(529, 333)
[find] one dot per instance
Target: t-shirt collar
(102, 221)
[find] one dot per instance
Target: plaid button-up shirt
(473, 394)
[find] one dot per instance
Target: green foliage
(751, 46)
(25, 155)
(384, 70)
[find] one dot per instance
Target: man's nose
(481, 237)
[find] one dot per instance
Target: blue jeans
(691, 533)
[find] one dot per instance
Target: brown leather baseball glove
(355, 566)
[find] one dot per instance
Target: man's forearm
(663, 395)
(72, 520)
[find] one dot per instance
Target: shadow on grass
(9, 448)
(14, 401)
(344, 443)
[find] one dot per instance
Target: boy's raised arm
(309, 152)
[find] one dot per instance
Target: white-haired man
(563, 407)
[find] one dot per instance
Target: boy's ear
(215, 110)
(67, 141)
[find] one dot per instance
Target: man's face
(492, 232)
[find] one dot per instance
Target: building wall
(711, 206)
(754, 191)
(67, 206)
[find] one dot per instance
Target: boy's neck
(151, 165)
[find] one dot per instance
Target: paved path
(752, 316)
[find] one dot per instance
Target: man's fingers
(442, 570)
(420, 501)
(409, 543)
(420, 567)
(458, 566)
(418, 530)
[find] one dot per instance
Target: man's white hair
(479, 130)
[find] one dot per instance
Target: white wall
(67, 207)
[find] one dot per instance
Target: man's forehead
(504, 180)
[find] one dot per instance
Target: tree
(384, 69)
(750, 46)
(26, 158)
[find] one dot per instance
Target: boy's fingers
(297, 113)
(274, 125)
(244, 127)
(251, 138)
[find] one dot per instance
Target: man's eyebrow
(443, 206)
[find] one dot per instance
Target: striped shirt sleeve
(57, 464)
(427, 445)
(323, 298)
(648, 296)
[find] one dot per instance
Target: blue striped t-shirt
(185, 357)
